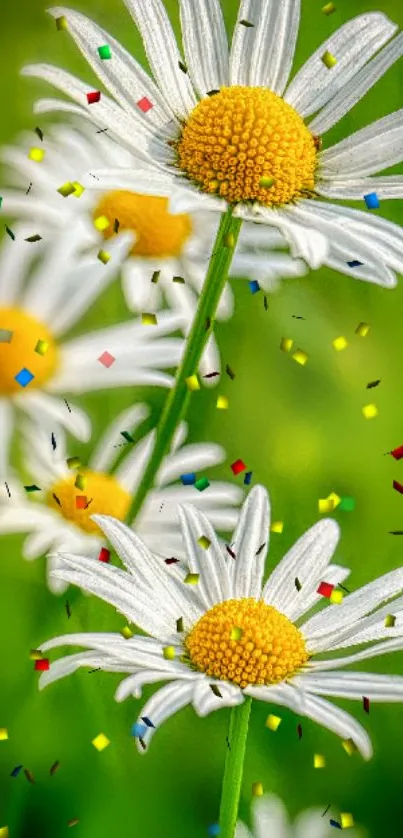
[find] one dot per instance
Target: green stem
(178, 398)
(231, 786)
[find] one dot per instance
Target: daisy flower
(270, 818)
(61, 522)
(177, 246)
(240, 637)
(226, 126)
(39, 303)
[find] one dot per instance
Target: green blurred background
(301, 431)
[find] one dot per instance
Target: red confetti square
(144, 104)
(398, 487)
(238, 466)
(171, 561)
(325, 589)
(93, 96)
(81, 501)
(397, 453)
(106, 359)
(42, 665)
(104, 555)
(365, 702)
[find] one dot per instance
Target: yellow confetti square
(390, 620)
(325, 505)
(35, 655)
(78, 189)
(229, 240)
(370, 411)
(101, 742)
(126, 633)
(236, 633)
(319, 761)
(349, 746)
(335, 498)
(42, 347)
(362, 330)
(300, 357)
(36, 154)
(80, 482)
(103, 256)
(336, 597)
(191, 578)
(286, 344)
(329, 60)
(257, 789)
(222, 402)
(273, 722)
(73, 462)
(328, 9)
(192, 383)
(4, 833)
(266, 181)
(277, 526)
(61, 22)
(346, 819)
(169, 653)
(204, 542)
(66, 189)
(148, 319)
(339, 343)
(102, 223)
(3, 734)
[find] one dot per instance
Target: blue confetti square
(138, 730)
(188, 479)
(354, 263)
(372, 200)
(335, 824)
(213, 830)
(24, 377)
(254, 286)
(248, 478)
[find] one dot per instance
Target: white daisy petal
(270, 818)
(37, 404)
(205, 44)
(15, 262)
(133, 685)
(310, 554)
(205, 701)
(302, 604)
(184, 300)
(6, 425)
(38, 543)
(103, 456)
(251, 533)
(198, 456)
(353, 685)
(321, 711)
(375, 147)
(393, 645)
(242, 831)
(353, 44)
(66, 666)
(131, 470)
(305, 241)
(214, 582)
(388, 187)
(367, 629)
(163, 704)
(263, 56)
(310, 825)
(163, 55)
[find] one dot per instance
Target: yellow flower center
(101, 495)
(266, 647)
(27, 349)
(247, 144)
(158, 232)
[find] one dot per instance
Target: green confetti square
(201, 484)
(347, 505)
(104, 52)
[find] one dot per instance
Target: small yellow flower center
(247, 144)
(158, 232)
(27, 349)
(266, 647)
(101, 495)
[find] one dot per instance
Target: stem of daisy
(233, 771)
(178, 397)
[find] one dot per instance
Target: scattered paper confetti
(81, 501)
(104, 52)
(397, 453)
(192, 383)
(4, 833)
(248, 478)
(15, 772)
(33, 488)
(236, 633)
(347, 504)
(102, 223)
(204, 542)
(325, 505)
(246, 23)
(78, 189)
(6, 336)
(319, 761)
(222, 402)
(29, 775)
(178, 279)
(73, 462)
(179, 625)
(257, 789)
(66, 189)
(390, 621)
(42, 347)
(354, 263)
(211, 375)
(299, 731)
(182, 67)
(230, 552)
(300, 357)
(101, 742)
(370, 411)
(201, 484)
(36, 154)
(372, 200)
(155, 277)
(254, 286)
(286, 344)
(103, 256)
(73, 822)
(35, 655)
(213, 830)
(259, 549)
(362, 330)
(148, 319)
(349, 746)
(365, 704)
(138, 730)
(3, 734)
(328, 9)
(329, 60)
(325, 589)
(340, 343)
(127, 633)
(297, 584)
(398, 487)
(144, 104)
(35, 238)
(266, 182)
(346, 820)
(24, 377)
(169, 653)
(215, 690)
(93, 96)
(191, 578)
(55, 767)
(42, 665)
(335, 823)
(104, 555)
(61, 22)
(336, 597)
(238, 466)
(273, 722)
(188, 479)
(106, 359)
(171, 561)
(229, 240)
(230, 372)
(80, 482)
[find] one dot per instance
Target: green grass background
(302, 433)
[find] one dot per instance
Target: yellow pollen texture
(241, 138)
(158, 232)
(101, 495)
(269, 650)
(20, 334)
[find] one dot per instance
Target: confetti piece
(35, 238)
(347, 504)
(24, 377)
(66, 189)
(329, 60)
(266, 304)
(335, 823)
(32, 488)
(273, 722)
(372, 200)
(398, 487)
(373, 384)
(328, 9)
(101, 742)
(349, 746)
(104, 52)
(155, 277)
(266, 182)
(230, 372)
(29, 775)
(54, 768)
(397, 453)
(169, 653)
(286, 344)
(106, 359)
(42, 347)
(362, 330)
(104, 555)
(370, 411)
(73, 462)
(248, 478)
(231, 552)
(35, 655)
(81, 501)
(297, 584)
(80, 482)
(346, 820)
(102, 223)
(365, 704)
(395, 532)
(4, 833)
(211, 375)
(78, 189)
(215, 690)
(335, 498)
(336, 597)
(192, 383)
(254, 286)
(339, 343)
(171, 561)
(61, 22)
(56, 499)
(319, 761)
(188, 479)
(238, 466)
(300, 357)
(277, 526)
(103, 256)
(325, 505)
(213, 830)
(191, 578)
(6, 336)
(144, 104)
(222, 403)
(179, 625)
(204, 542)
(127, 633)
(325, 589)
(28, 190)
(212, 92)
(257, 789)
(182, 67)
(15, 772)
(36, 154)
(236, 633)
(299, 731)
(42, 665)
(8, 490)
(298, 317)
(93, 96)
(3, 734)
(229, 240)
(354, 263)
(201, 484)
(178, 279)
(259, 550)
(390, 621)
(246, 23)
(73, 822)
(138, 730)
(149, 319)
